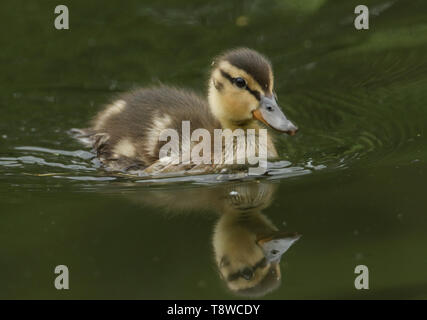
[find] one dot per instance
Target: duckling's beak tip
(292, 132)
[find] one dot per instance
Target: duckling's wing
(129, 128)
(101, 146)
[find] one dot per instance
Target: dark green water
(352, 182)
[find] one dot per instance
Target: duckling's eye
(240, 82)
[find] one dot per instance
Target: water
(352, 182)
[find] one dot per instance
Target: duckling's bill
(275, 246)
(270, 114)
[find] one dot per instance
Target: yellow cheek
(239, 105)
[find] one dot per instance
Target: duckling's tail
(84, 136)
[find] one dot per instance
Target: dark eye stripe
(237, 275)
(255, 93)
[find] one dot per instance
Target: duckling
(125, 134)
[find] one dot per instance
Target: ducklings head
(241, 92)
(248, 250)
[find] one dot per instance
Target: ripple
(78, 153)
(341, 129)
(37, 162)
(42, 162)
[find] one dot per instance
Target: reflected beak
(270, 114)
(276, 245)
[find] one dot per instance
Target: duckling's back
(126, 133)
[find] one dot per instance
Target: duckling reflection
(247, 246)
